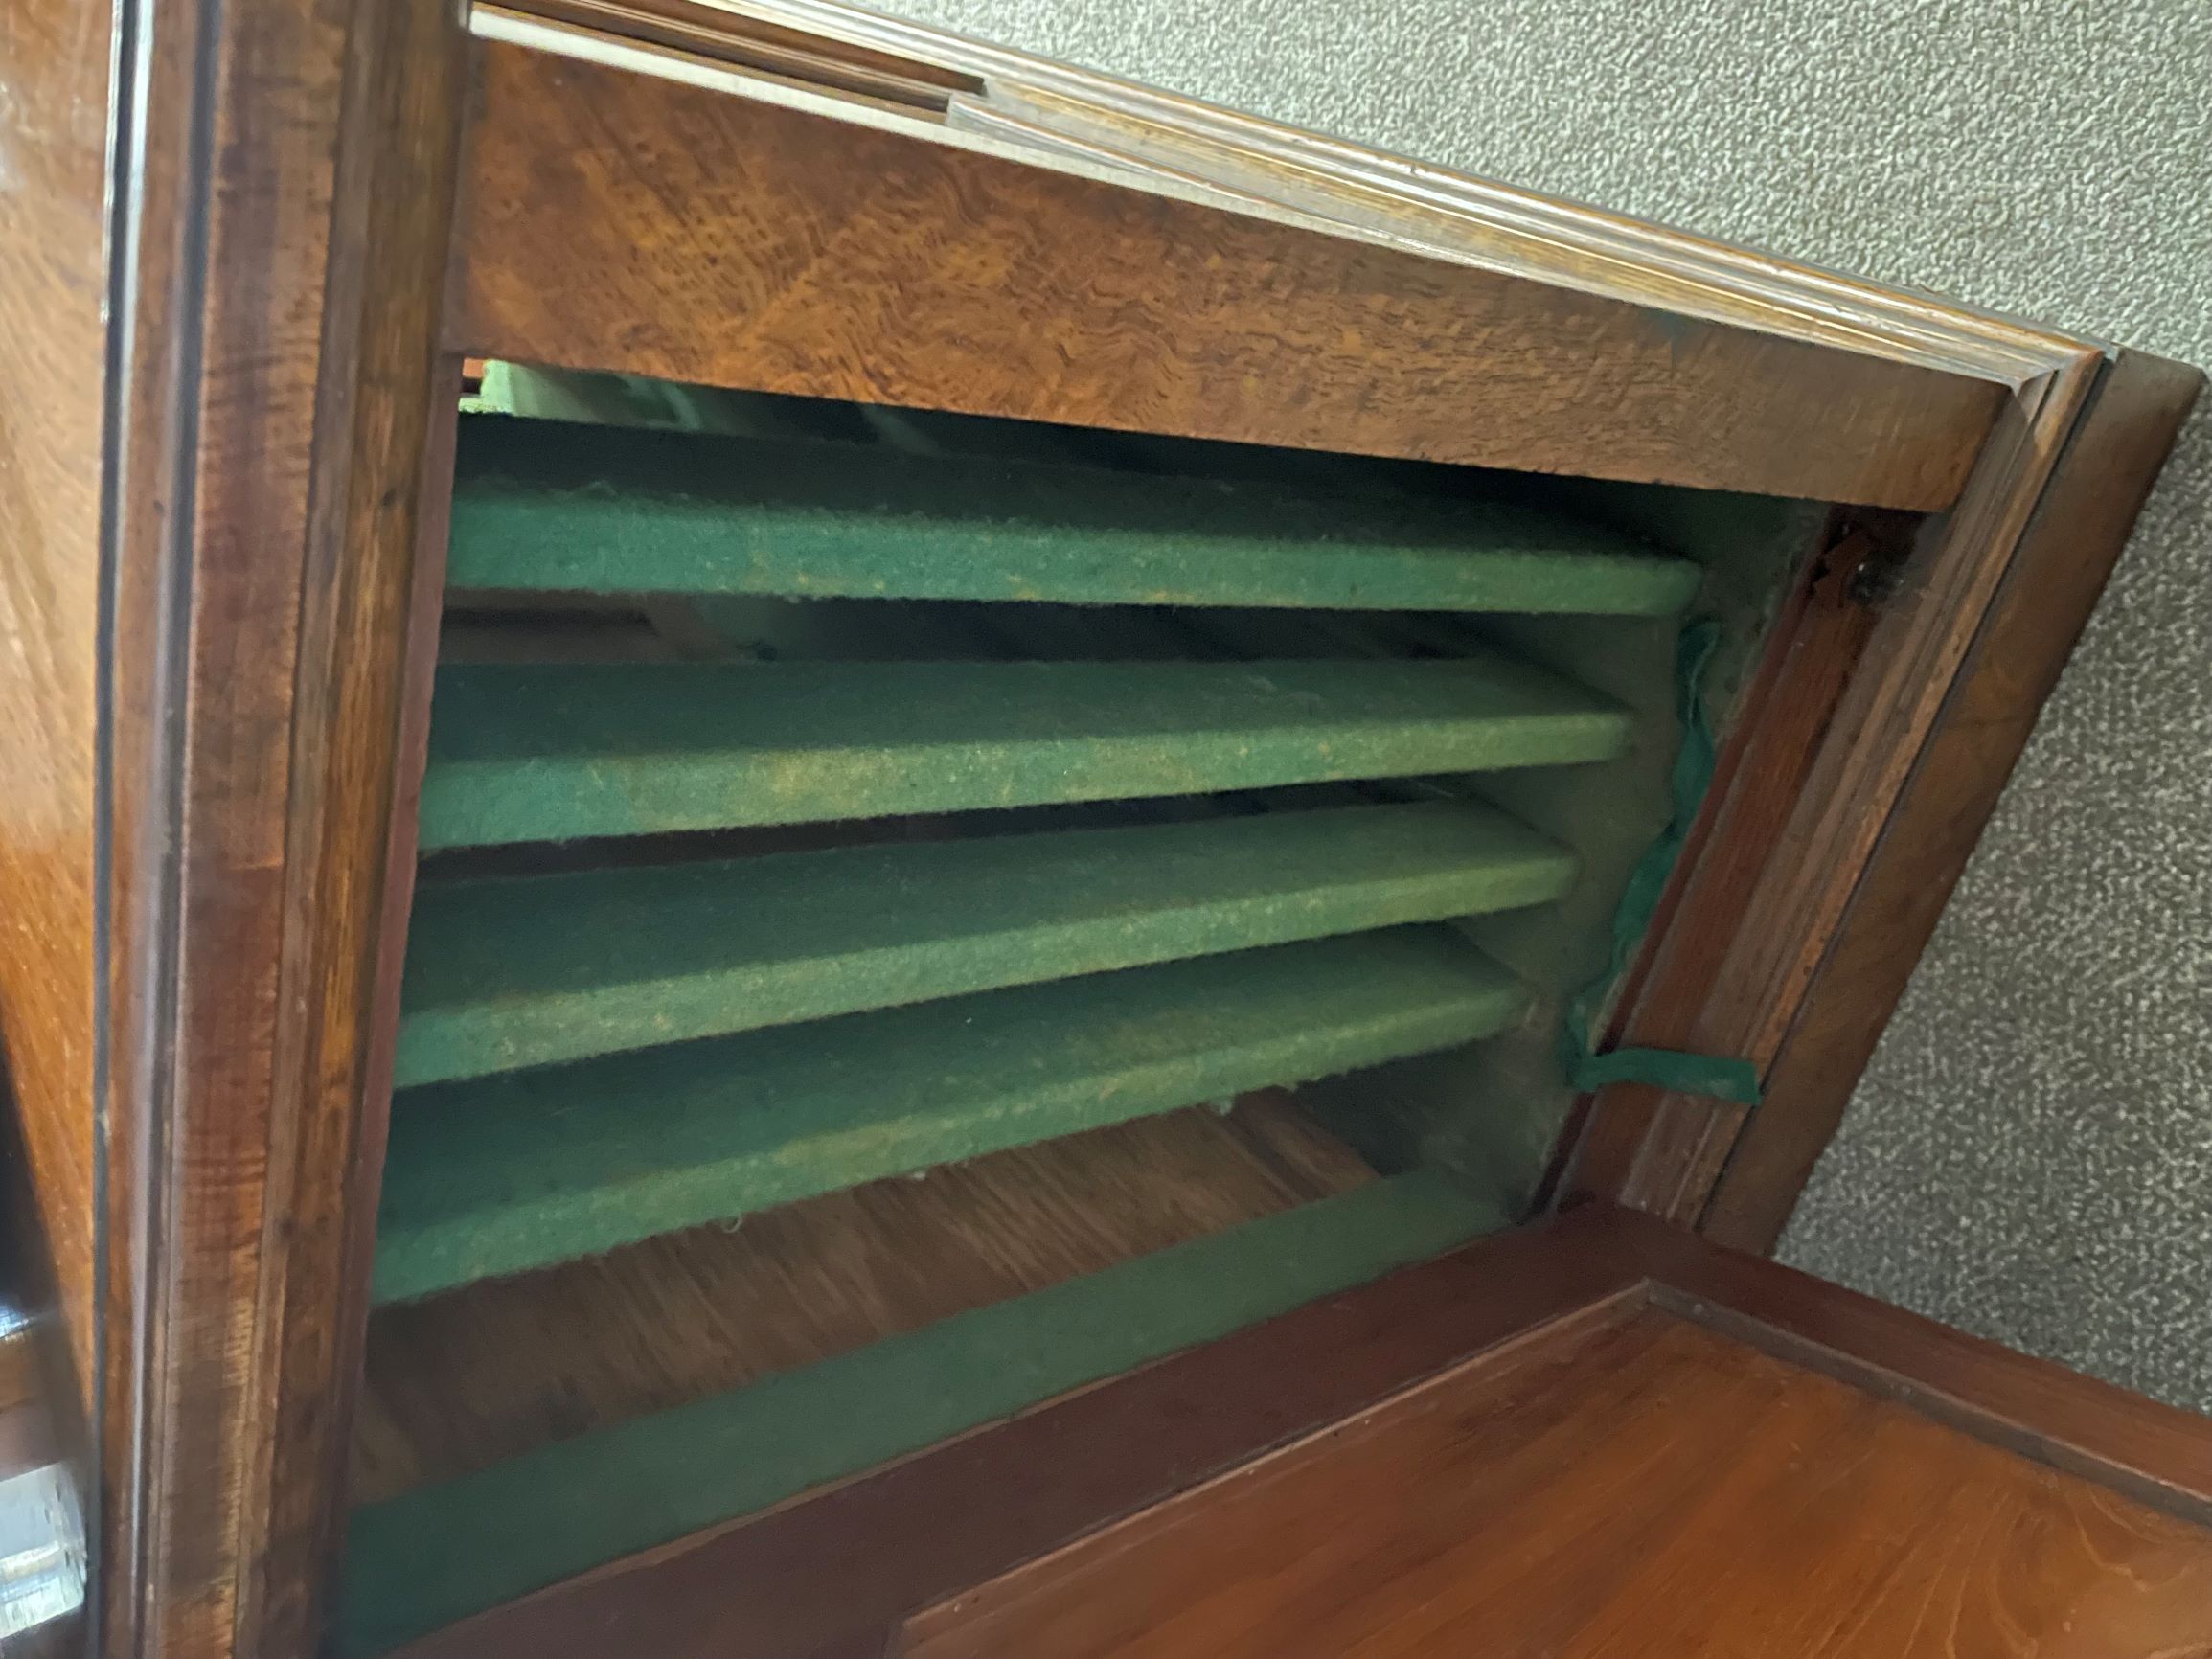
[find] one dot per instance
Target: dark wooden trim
(1815, 643)
(276, 424)
(295, 190)
(2080, 525)
(607, 225)
(209, 399)
(1550, 1502)
(734, 39)
(836, 1567)
(883, 1643)
(418, 647)
(1824, 876)
(354, 707)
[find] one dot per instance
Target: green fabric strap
(1667, 1069)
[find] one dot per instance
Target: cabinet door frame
(288, 296)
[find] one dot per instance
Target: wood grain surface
(2069, 549)
(614, 220)
(289, 180)
(852, 1560)
(1883, 812)
(1616, 1146)
(467, 1379)
(384, 414)
(1420, 202)
(2053, 1456)
(1641, 1487)
(2159, 1454)
(54, 65)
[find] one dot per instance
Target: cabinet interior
(918, 913)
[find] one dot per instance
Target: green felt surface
(526, 970)
(551, 752)
(541, 503)
(499, 1174)
(438, 1554)
(1674, 1070)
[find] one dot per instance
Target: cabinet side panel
(53, 87)
(2080, 527)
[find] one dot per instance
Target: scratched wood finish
(261, 570)
(1644, 1487)
(2080, 527)
(490, 1371)
(384, 418)
(613, 220)
(54, 64)
(280, 339)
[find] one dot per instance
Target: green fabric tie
(1668, 1069)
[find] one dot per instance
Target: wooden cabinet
(831, 843)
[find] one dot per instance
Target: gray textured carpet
(2030, 1155)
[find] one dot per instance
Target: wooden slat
(615, 220)
(440, 1553)
(515, 971)
(501, 1175)
(539, 753)
(550, 504)
(457, 1383)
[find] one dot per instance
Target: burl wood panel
(613, 220)
(52, 169)
(460, 1382)
(1643, 1487)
